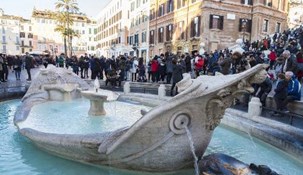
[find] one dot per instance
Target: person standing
(5, 68)
(17, 67)
(61, 60)
(1, 69)
(28, 65)
(280, 96)
(177, 76)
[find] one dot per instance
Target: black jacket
(281, 90)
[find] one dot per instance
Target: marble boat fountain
(157, 141)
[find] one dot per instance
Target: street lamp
(244, 26)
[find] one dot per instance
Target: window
(244, 25)
(3, 39)
(216, 22)
(90, 31)
(138, 3)
(136, 38)
(195, 27)
(17, 47)
(4, 48)
(30, 43)
(193, 1)
(152, 14)
(247, 2)
(132, 6)
(161, 35)
(161, 10)
(151, 37)
(265, 25)
(268, 3)
(30, 35)
(22, 34)
(3, 30)
(22, 43)
(170, 6)
(169, 32)
(131, 40)
(30, 28)
(278, 27)
(181, 30)
(143, 37)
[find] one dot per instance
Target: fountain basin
(157, 141)
(21, 159)
(96, 102)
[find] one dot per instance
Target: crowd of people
(282, 51)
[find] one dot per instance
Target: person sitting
(263, 89)
(294, 87)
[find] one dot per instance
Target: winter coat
(154, 66)
(281, 90)
(29, 62)
(177, 73)
(169, 65)
(225, 66)
(294, 88)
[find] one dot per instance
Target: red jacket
(154, 66)
(272, 56)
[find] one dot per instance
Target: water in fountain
(72, 118)
(192, 147)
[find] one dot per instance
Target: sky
(24, 8)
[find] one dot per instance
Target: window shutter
(240, 25)
(192, 28)
(167, 33)
(199, 24)
(211, 21)
(251, 2)
(221, 22)
(249, 26)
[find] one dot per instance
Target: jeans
(18, 73)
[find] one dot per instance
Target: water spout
(191, 143)
(96, 84)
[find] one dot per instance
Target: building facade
(26, 36)
(175, 26)
(223, 22)
(186, 25)
(113, 29)
(44, 25)
(137, 39)
(295, 14)
(9, 31)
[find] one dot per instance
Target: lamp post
(244, 25)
